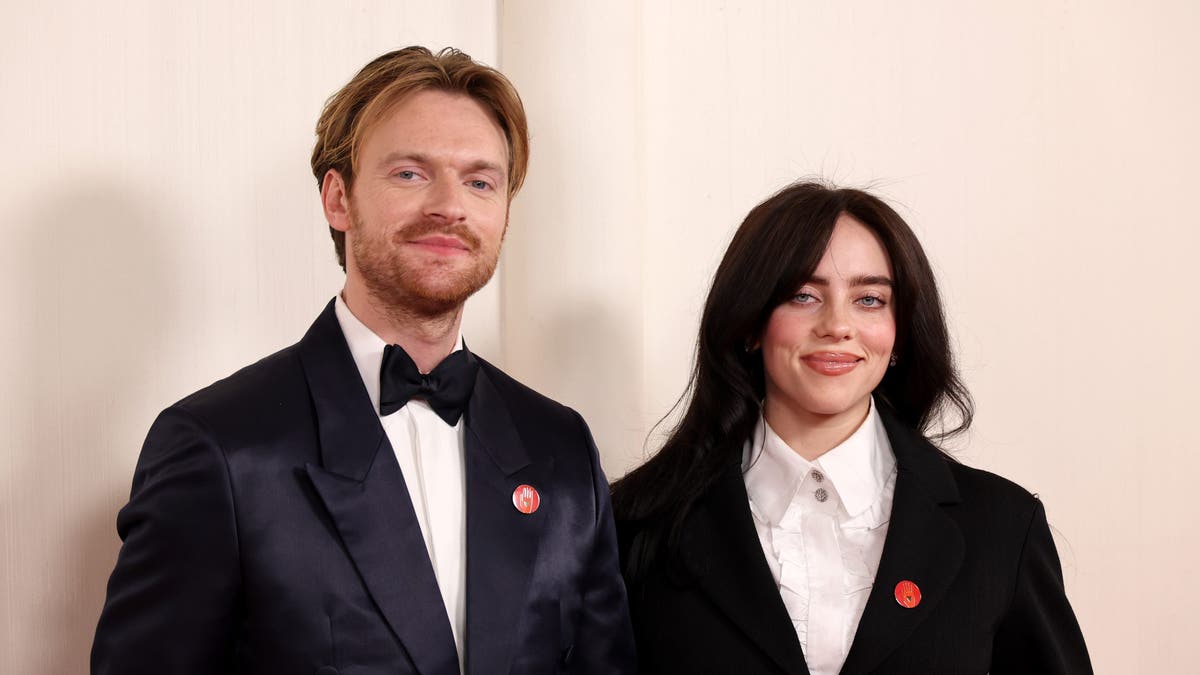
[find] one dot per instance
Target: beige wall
(162, 229)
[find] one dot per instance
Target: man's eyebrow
(485, 165)
(393, 157)
(419, 158)
(861, 280)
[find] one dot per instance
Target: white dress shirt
(822, 525)
(430, 453)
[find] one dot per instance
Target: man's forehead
(429, 122)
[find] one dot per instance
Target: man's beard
(432, 288)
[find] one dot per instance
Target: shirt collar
(859, 468)
(366, 347)
(861, 465)
(772, 472)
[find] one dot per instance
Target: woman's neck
(810, 434)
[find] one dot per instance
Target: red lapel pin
(908, 594)
(526, 499)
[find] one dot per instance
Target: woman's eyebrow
(860, 280)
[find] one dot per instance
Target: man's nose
(443, 200)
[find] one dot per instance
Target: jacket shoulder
(273, 388)
(524, 398)
(978, 484)
(992, 508)
(246, 384)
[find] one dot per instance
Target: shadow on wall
(101, 309)
(591, 362)
(287, 276)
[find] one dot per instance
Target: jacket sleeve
(604, 635)
(173, 596)
(1039, 633)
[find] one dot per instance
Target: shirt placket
(827, 598)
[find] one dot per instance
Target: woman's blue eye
(803, 297)
(872, 301)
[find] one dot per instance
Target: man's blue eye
(406, 175)
(480, 184)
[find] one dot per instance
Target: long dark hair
(773, 253)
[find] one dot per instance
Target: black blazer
(977, 545)
(269, 530)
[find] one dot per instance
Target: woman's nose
(834, 323)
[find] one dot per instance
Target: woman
(799, 519)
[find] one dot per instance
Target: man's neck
(426, 339)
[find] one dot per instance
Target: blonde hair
(383, 83)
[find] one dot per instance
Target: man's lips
(831, 363)
(440, 243)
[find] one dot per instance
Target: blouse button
(818, 476)
(821, 494)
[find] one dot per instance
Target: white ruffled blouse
(822, 525)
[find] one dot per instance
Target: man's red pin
(526, 499)
(907, 594)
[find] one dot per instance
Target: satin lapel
(923, 545)
(364, 492)
(722, 549)
(502, 542)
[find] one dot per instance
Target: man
(376, 499)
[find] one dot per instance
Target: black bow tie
(446, 389)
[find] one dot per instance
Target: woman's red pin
(908, 594)
(526, 499)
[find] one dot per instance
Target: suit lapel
(923, 545)
(722, 549)
(364, 492)
(502, 542)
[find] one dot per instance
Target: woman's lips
(831, 363)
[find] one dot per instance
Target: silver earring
(892, 361)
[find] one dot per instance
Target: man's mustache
(426, 228)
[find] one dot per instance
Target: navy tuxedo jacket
(976, 545)
(269, 530)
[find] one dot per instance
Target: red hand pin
(908, 594)
(526, 499)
